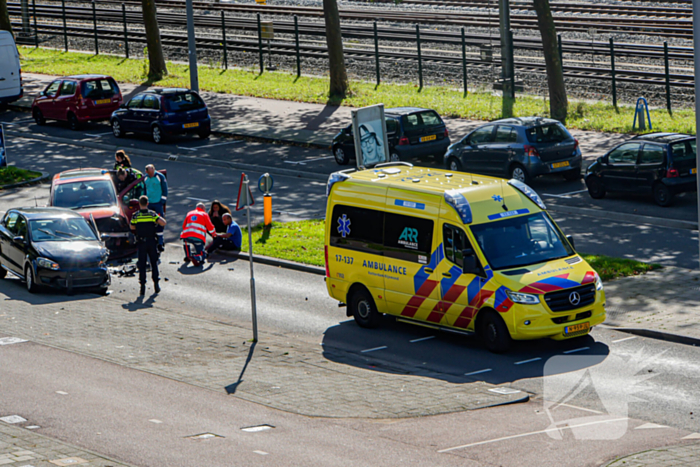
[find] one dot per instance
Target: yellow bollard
(267, 210)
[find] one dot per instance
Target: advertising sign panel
(369, 132)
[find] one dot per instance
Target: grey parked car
(519, 148)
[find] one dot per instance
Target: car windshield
(99, 88)
(520, 241)
(61, 230)
(183, 102)
(89, 194)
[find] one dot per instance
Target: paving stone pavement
(683, 455)
(20, 447)
(295, 377)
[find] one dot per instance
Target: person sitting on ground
(194, 233)
(121, 160)
(216, 213)
(231, 240)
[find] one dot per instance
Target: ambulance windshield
(521, 241)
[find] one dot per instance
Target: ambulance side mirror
(571, 241)
(469, 265)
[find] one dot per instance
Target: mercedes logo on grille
(574, 298)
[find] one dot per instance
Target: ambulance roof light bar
(529, 192)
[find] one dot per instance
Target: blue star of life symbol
(497, 198)
(344, 226)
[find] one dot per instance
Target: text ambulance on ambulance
(457, 251)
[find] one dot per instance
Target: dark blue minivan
(161, 113)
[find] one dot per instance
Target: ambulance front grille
(561, 299)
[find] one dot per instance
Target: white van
(10, 71)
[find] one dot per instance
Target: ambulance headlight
(598, 282)
(523, 298)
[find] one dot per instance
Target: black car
(52, 247)
(412, 132)
(161, 113)
(662, 164)
(519, 148)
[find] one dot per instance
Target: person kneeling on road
(144, 223)
(194, 233)
(231, 240)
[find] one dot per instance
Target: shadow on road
(414, 350)
(15, 290)
(231, 388)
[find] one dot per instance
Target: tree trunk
(5, 17)
(558, 104)
(156, 61)
(339, 77)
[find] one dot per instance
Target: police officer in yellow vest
(144, 224)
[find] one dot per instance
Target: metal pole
(511, 64)
(464, 63)
(94, 27)
(296, 44)
(250, 257)
(561, 51)
(376, 53)
(65, 27)
(612, 72)
(223, 37)
(260, 47)
(36, 28)
(668, 79)
(696, 53)
(420, 59)
(126, 32)
(192, 48)
(26, 28)
(506, 47)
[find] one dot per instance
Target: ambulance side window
(454, 242)
(357, 229)
(408, 238)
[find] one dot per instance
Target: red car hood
(99, 213)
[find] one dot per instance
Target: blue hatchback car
(162, 113)
(519, 148)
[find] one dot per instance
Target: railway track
(111, 29)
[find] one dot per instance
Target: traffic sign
(265, 183)
(245, 197)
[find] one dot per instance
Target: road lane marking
(372, 350)
(11, 340)
(309, 160)
(204, 146)
(153, 420)
(650, 426)
(528, 361)
(577, 350)
(478, 372)
(187, 149)
(63, 393)
(97, 135)
(577, 407)
(625, 339)
(199, 199)
(262, 453)
(522, 435)
(563, 195)
(422, 339)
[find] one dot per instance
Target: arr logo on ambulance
(409, 238)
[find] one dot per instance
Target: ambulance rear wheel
(363, 309)
(494, 333)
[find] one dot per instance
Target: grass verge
(302, 242)
(12, 174)
(285, 86)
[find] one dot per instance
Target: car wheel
(662, 195)
(30, 280)
(395, 157)
(596, 187)
(73, 122)
(340, 157)
(573, 174)
(493, 332)
(363, 309)
(38, 116)
(454, 165)
(157, 134)
(117, 128)
(204, 134)
(519, 173)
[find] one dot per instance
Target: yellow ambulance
(455, 251)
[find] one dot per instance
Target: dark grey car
(519, 148)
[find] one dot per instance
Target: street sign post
(265, 183)
(268, 32)
(696, 54)
(245, 200)
(192, 47)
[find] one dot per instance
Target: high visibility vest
(196, 225)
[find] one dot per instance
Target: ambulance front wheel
(494, 332)
(363, 308)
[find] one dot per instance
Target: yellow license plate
(577, 328)
(428, 138)
(560, 164)
(191, 125)
(103, 101)
(693, 171)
